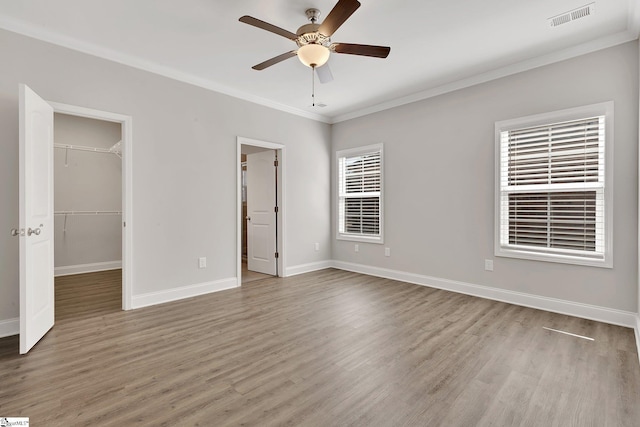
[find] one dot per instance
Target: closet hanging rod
(83, 148)
(87, 213)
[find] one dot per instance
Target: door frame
(281, 214)
(127, 193)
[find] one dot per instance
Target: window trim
(601, 109)
(350, 152)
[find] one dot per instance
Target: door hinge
(276, 210)
(275, 163)
(277, 255)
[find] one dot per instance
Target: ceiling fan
(314, 40)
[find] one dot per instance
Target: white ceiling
(436, 45)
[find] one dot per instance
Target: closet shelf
(87, 213)
(116, 149)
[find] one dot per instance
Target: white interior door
(36, 218)
(261, 203)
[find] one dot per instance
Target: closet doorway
(87, 216)
(92, 196)
(36, 206)
(260, 210)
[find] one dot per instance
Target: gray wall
(439, 169)
(439, 180)
(87, 181)
(184, 165)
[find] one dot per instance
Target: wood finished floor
(81, 296)
(329, 348)
(251, 276)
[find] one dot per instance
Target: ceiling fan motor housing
(308, 34)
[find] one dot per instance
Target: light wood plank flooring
(329, 348)
(251, 276)
(88, 295)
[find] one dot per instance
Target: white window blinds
(552, 188)
(360, 193)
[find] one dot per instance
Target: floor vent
(572, 15)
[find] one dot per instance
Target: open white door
(261, 203)
(36, 218)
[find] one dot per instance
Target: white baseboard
(160, 297)
(307, 268)
(9, 327)
(637, 329)
(586, 311)
(67, 270)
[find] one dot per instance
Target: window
(554, 186)
(360, 194)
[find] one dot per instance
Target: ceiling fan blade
(340, 13)
(274, 60)
(324, 74)
(361, 49)
(269, 27)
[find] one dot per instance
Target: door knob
(31, 231)
(17, 232)
(248, 218)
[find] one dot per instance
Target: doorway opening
(92, 216)
(36, 210)
(87, 166)
(260, 194)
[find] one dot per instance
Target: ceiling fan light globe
(313, 55)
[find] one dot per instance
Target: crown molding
(630, 34)
(41, 34)
(519, 67)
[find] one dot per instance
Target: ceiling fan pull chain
(313, 86)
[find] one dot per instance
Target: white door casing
(37, 298)
(261, 203)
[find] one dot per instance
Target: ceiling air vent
(572, 15)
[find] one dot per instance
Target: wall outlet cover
(488, 264)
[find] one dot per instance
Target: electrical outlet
(317, 246)
(488, 264)
(202, 262)
(356, 248)
(387, 251)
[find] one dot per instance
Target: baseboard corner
(175, 294)
(308, 268)
(67, 270)
(637, 333)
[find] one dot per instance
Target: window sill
(557, 258)
(362, 239)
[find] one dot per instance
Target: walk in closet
(87, 195)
